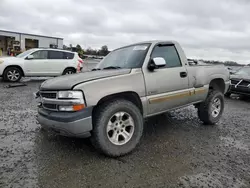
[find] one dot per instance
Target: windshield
(127, 57)
(244, 71)
(22, 55)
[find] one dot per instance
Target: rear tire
(69, 71)
(210, 111)
(104, 137)
(12, 74)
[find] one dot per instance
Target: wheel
(228, 94)
(69, 71)
(210, 111)
(12, 74)
(118, 127)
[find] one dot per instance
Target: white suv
(39, 62)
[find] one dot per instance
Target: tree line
(101, 52)
(227, 63)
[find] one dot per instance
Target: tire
(205, 110)
(228, 94)
(15, 72)
(101, 138)
(69, 71)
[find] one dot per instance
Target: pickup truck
(109, 103)
(240, 82)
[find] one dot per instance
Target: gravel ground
(176, 150)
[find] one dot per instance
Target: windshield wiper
(112, 67)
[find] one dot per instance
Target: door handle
(183, 74)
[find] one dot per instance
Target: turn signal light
(78, 107)
(73, 108)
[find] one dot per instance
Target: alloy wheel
(120, 128)
(216, 107)
(13, 75)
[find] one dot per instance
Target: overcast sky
(209, 29)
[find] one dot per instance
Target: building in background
(18, 42)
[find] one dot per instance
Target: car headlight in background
(75, 99)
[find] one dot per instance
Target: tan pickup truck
(132, 83)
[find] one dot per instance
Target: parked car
(89, 64)
(130, 84)
(240, 82)
(39, 62)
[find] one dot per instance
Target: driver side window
(169, 53)
(41, 54)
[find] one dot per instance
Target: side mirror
(30, 57)
(159, 61)
(156, 63)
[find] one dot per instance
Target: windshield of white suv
(22, 55)
(244, 71)
(126, 57)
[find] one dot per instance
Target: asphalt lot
(176, 150)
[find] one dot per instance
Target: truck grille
(49, 95)
(244, 83)
(234, 82)
(50, 106)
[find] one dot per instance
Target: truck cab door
(167, 87)
(34, 64)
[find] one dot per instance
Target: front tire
(12, 74)
(210, 111)
(118, 127)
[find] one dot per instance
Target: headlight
(75, 105)
(70, 95)
(1, 61)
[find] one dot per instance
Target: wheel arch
(128, 95)
(217, 84)
(73, 68)
(16, 66)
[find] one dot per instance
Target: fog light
(66, 108)
(75, 107)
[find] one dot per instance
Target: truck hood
(68, 82)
